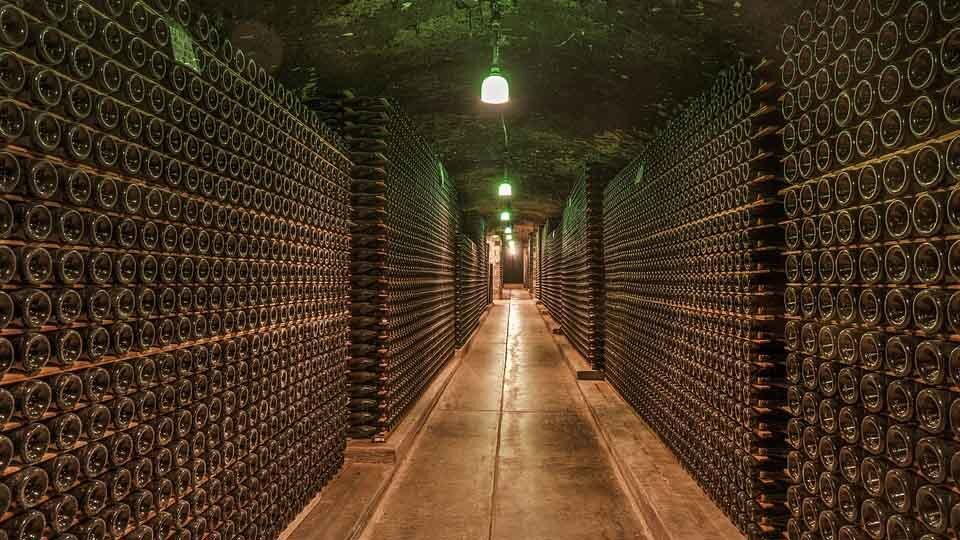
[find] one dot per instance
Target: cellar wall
(204, 289)
(495, 261)
(872, 102)
(582, 266)
(677, 266)
(406, 218)
(692, 260)
(780, 302)
(174, 259)
(533, 263)
(472, 280)
(551, 288)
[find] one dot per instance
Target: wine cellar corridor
(479, 269)
(500, 457)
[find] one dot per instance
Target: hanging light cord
(496, 45)
(506, 140)
(495, 15)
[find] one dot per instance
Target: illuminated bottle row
(568, 265)
(472, 281)
(551, 276)
(582, 267)
(533, 248)
(692, 254)
(403, 273)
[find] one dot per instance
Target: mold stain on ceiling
(590, 80)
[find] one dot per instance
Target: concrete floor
(511, 450)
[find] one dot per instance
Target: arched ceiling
(590, 79)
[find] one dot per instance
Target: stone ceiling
(589, 79)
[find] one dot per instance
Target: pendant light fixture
(495, 89)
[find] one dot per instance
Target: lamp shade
(505, 215)
(508, 230)
(495, 89)
(505, 190)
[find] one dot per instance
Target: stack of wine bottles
(533, 255)
(490, 255)
(405, 216)
(692, 255)
(527, 283)
(582, 266)
(174, 280)
(873, 109)
(540, 233)
(495, 249)
(551, 288)
(472, 283)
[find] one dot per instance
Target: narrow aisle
(510, 451)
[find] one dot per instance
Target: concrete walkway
(511, 450)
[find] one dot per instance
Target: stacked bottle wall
(498, 278)
(693, 296)
(873, 103)
(527, 283)
(175, 248)
(494, 260)
(582, 230)
(405, 216)
(542, 244)
(533, 250)
(486, 247)
(552, 286)
(472, 282)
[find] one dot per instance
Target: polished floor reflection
(510, 451)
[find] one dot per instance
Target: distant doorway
(512, 267)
